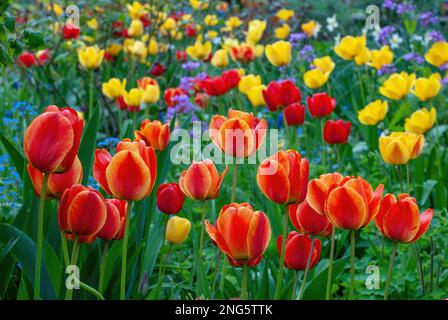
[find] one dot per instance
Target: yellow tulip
(421, 121)
(220, 59)
(282, 32)
(259, 50)
(196, 4)
(400, 147)
(373, 113)
(248, 82)
(176, 35)
(350, 47)
(114, 88)
(398, 85)
(427, 88)
(136, 10)
(255, 95)
(138, 50)
(92, 23)
(88, 39)
(437, 55)
(315, 78)
(136, 28)
(57, 9)
(177, 230)
(233, 22)
(151, 94)
(363, 57)
(255, 31)
(212, 34)
(134, 97)
(279, 53)
(169, 24)
(230, 43)
(284, 14)
(113, 49)
(325, 64)
(90, 57)
(153, 47)
(310, 28)
(382, 57)
(199, 50)
(211, 20)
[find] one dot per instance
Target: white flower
(395, 41)
(316, 29)
(332, 23)
(337, 39)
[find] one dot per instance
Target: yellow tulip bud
(427, 88)
(153, 47)
(315, 78)
(255, 31)
(114, 88)
(92, 23)
(136, 10)
(398, 85)
(151, 94)
(255, 95)
(169, 24)
(138, 50)
(177, 230)
(325, 64)
(400, 147)
(220, 59)
(136, 28)
(134, 97)
(282, 32)
(421, 121)
(199, 50)
(382, 57)
(233, 22)
(90, 57)
(437, 55)
(57, 9)
(113, 49)
(211, 20)
(248, 82)
(284, 14)
(279, 53)
(363, 57)
(351, 47)
(373, 113)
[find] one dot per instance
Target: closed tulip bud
(337, 131)
(201, 181)
(200, 50)
(282, 32)
(373, 113)
(315, 78)
(247, 82)
(321, 105)
(57, 182)
(52, 139)
(181, 56)
(90, 57)
(325, 64)
(309, 221)
(400, 147)
(280, 94)
(297, 251)
(170, 198)
(71, 31)
(136, 28)
(279, 53)
(239, 135)
(427, 88)
(157, 70)
(421, 121)
(381, 58)
(255, 95)
(81, 213)
(114, 88)
(437, 55)
(26, 59)
(397, 86)
(351, 47)
(177, 230)
(255, 31)
(283, 177)
(311, 28)
(294, 114)
(400, 219)
(133, 98)
(241, 233)
(151, 90)
(114, 226)
(153, 47)
(128, 175)
(220, 59)
(154, 134)
(285, 14)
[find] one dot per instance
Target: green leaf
(33, 39)
(17, 157)
(5, 57)
(428, 185)
(88, 144)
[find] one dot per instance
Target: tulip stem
(91, 290)
(400, 178)
(361, 86)
(124, 252)
(244, 283)
(215, 272)
(64, 249)
(201, 240)
(324, 155)
(294, 286)
(282, 255)
(352, 263)
(305, 273)
(330, 265)
(389, 272)
(285, 123)
(74, 259)
(103, 266)
(91, 86)
(40, 233)
(420, 269)
(234, 181)
(408, 179)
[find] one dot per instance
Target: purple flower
(405, 7)
(191, 65)
(307, 52)
(436, 36)
(444, 81)
(295, 38)
(187, 83)
(182, 105)
(387, 69)
(389, 4)
(384, 34)
(411, 56)
(428, 18)
(444, 67)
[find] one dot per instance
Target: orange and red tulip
(283, 177)
(52, 139)
(309, 221)
(239, 135)
(154, 134)
(57, 182)
(241, 233)
(114, 226)
(201, 181)
(297, 250)
(81, 213)
(130, 174)
(400, 219)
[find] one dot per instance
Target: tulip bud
(436, 55)
(170, 198)
(114, 88)
(114, 226)
(154, 134)
(373, 113)
(400, 147)
(321, 105)
(279, 53)
(220, 59)
(171, 93)
(90, 57)
(421, 121)
(315, 78)
(398, 85)
(280, 94)
(177, 230)
(336, 131)
(309, 221)
(297, 251)
(71, 31)
(294, 114)
(157, 69)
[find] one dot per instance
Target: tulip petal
(425, 221)
(258, 235)
(402, 221)
(273, 181)
(86, 213)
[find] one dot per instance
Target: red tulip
(171, 93)
(157, 69)
(113, 228)
(280, 94)
(321, 105)
(52, 139)
(71, 31)
(201, 181)
(120, 103)
(26, 59)
(240, 233)
(309, 221)
(181, 56)
(220, 85)
(170, 198)
(130, 174)
(297, 250)
(57, 182)
(294, 114)
(337, 131)
(283, 177)
(81, 213)
(190, 30)
(400, 220)
(201, 99)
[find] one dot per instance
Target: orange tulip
(52, 139)
(57, 182)
(114, 226)
(130, 174)
(242, 234)
(154, 134)
(201, 181)
(283, 177)
(239, 135)
(81, 213)
(309, 221)
(297, 251)
(400, 220)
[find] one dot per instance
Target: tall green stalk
(103, 267)
(282, 254)
(352, 263)
(124, 252)
(73, 261)
(330, 265)
(389, 272)
(201, 240)
(305, 274)
(244, 283)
